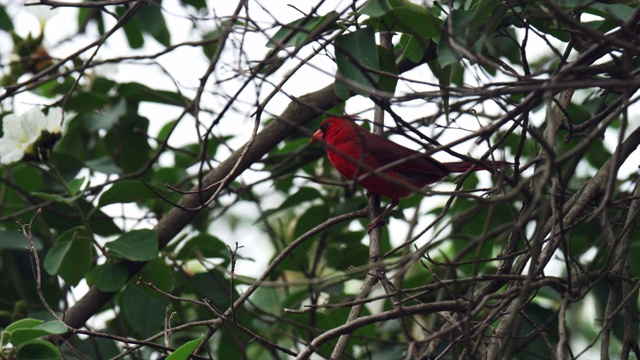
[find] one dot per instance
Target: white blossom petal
(53, 120)
(10, 151)
(21, 132)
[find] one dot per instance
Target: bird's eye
(325, 126)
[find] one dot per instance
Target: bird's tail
(462, 166)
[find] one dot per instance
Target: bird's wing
(420, 171)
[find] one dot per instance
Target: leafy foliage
(184, 214)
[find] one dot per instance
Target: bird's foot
(379, 221)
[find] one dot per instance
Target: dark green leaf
(94, 348)
(58, 216)
(106, 119)
(356, 55)
(136, 245)
(103, 164)
(77, 261)
(344, 256)
(151, 21)
(192, 153)
(128, 191)
(297, 33)
(143, 312)
(87, 102)
(407, 20)
(5, 20)
(387, 83)
(412, 47)
(447, 55)
(303, 195)
(128, 143)
(55, 257)
(205, 245)
(376, 8)
(159, 274)
(38, 350)
(198, 4)
(213, 286)
(164, 132)
(21, 336)
(110, 277)
(310, 219)
(13, 240)
(132, 30)
(137, 92)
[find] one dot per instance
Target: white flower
(22, 132)
(42, 13)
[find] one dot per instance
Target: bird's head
(318, 136)
(332, 126)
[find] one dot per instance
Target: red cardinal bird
(357, 153)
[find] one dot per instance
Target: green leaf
(296, 33)
(53, 327)
(192, 152)
(13, 240)
(132, 29)
(151, 21)
(106, 119)
(86, 102)
(310, 219)
(198, 4)
(376, 8)
(183, 352)
(461, 20)
(136, 245)
(355, 52)
(412, 48)
(344, 256)
(27, 323)
(137, 92)
(21, 336)
(77, 261)
(5, 20)
(621, 12)
(213, 286)
(57, 216)
(29, 178)
(103, 164)
(388, 65)
(158, 273)
(407, 20)
(55, 257)
(128, 191)
(143, 312)
(25, 332)
(303, 195)
(110, 277)
(163, 134)
(128, 144)
(75, 184)
(205, 245)
(38, 350)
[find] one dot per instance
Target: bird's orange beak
(317, 136)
